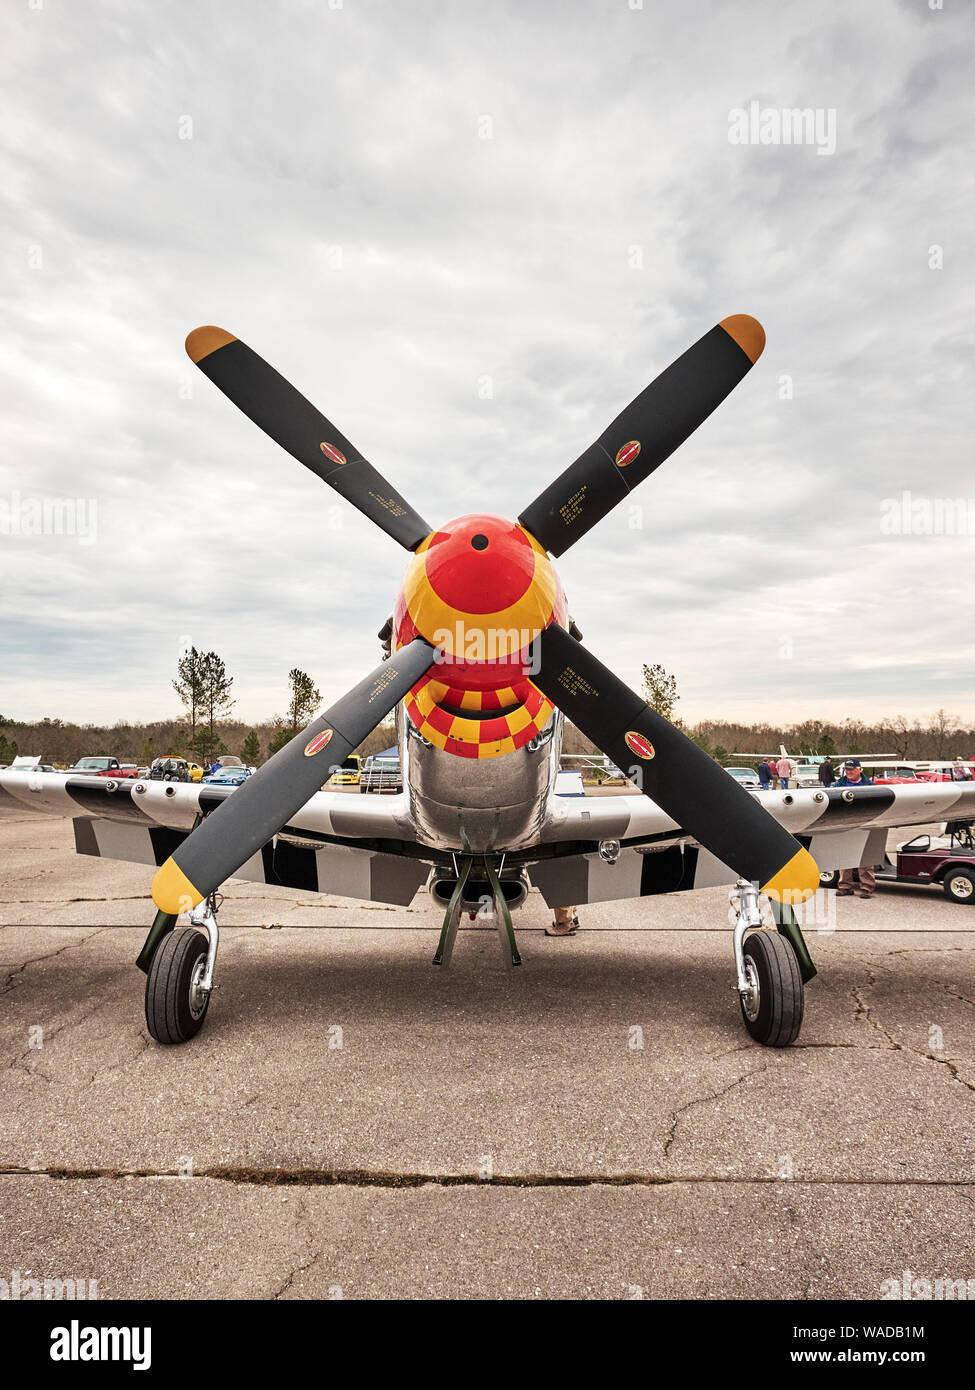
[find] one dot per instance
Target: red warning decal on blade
(330, 451)
(626, 455)
(316, 745)
(639, 745)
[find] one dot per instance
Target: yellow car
(348, 774)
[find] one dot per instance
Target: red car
(103, 766)
(958, 772)
(894, 776)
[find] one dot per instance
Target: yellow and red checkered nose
(480, 589)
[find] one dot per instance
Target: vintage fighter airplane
(482, 663)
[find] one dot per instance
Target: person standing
(764, 775)
(853, 777)
(784, 768)
(827, 773)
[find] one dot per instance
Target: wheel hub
(751, 998)
(198, 995)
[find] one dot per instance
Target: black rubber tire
(780, 993)
(168, 1015)
(951, 877)
(830, 878)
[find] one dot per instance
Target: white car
(805, 776)
(747, 776)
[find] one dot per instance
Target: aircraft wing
(841, 827)
(366, 846)
(339, 842)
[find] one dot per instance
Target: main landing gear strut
(772, 968)
(179, 972)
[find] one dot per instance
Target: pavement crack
(956, 994)
(8, 983)
(372, 1178)
(145, 1042)
(63, 902)
(301, 1220)
(706, 1100)
(864, 1014)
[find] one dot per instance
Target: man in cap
(853, 777)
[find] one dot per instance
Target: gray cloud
(337, 208)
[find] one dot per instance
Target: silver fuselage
(484, 805)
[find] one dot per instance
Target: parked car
(102, 766)
(806, 775)
(747, 776)
(169, 770)
(381, 775)
(228, 777)
(349, 773)
(943, 861)
(225, 760)
(945, 772)
(894, 776)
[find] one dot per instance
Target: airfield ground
(477, 1133)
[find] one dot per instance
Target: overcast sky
(471, 234)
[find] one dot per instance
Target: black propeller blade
(294, 423)
(647, 431)
(676, 774)
(259, 808)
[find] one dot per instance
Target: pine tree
(189, 686)
(278, 740)
(216, 701)
(304, 700)
(251, 750)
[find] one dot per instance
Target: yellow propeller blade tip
(172, 891)
(747, 332)
(202, 341)
(796, 881)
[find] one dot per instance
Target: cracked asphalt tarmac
(353, 1123)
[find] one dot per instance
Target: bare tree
(943, 725)
(660, 690)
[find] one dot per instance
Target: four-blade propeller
(693, 789)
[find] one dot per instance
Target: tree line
(206, 730)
